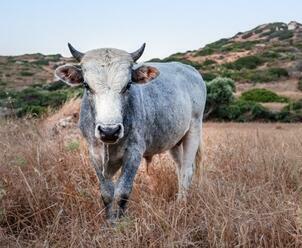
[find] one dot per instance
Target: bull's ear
(69, 74)
(144, 74)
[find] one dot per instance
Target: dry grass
(249, 196)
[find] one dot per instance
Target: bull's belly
(166, 138)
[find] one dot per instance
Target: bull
(132, 111)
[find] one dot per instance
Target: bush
(208, 76)
(58, 85)
(224, 45)
(300, 84)
(219, 92)
(26, 74)
(32, 110)
(270, 55)
(247, 35)
(294, 106)
(248, 62)
(262, 95)
(268, 75)
(209, 62)
(212, 48)
(243, 111)
(53, 57)
(258, 30)
(41, 62)
(282, 34)
(36, 99)
(205, 51)
(278, 72)
(239, 46)
(174, 58)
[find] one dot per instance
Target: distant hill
(268, 56)
(17, 72)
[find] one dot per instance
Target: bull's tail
(198, 160)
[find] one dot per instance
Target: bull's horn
(76, 54)
(138, 53)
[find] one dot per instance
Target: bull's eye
(127, 87)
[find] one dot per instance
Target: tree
(219, 92)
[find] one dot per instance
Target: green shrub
(258, 31)
(174, 58)
(270, 55)
(238, 46)
(224, 45)
(208, 76)
(209, 62)
(36, 99)
(262, 95)
(298, 45)
(300, 84)
(26, 74)
(278, 72)
(248, 62)
(243, 111)
(58, 85)
(54, 57)
(219, 92)
(212, 48)
(247, 35)
(31, 110)
(268, 75)
(282, 34)
(294, 106)
(205, 51)
(41, 62)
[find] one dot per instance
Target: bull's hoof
(112, 219)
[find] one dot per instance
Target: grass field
(249, 194)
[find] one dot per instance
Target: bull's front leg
(106, 184)
(124, 184)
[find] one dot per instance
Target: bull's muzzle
(109, 133)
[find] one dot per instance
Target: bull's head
(107, 75)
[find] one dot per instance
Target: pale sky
(30, 26)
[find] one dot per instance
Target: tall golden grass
(249, 195)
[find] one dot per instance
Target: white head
(107, 75)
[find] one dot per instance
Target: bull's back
(171, 102)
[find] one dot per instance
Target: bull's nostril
(118, 129)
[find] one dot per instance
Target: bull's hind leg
(177, 155)
(191, 142)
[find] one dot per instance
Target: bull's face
(107, 75)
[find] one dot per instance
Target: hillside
(17, 72)
(268, 56)
(265, 64)
(27, 84)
